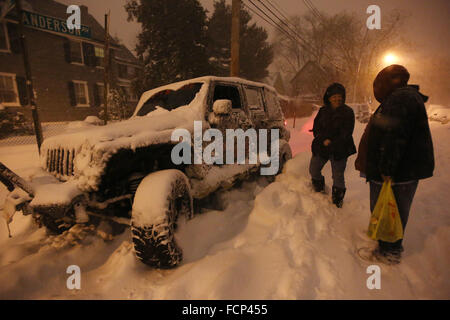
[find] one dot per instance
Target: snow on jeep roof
(207, 79)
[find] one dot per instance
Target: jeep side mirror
(222, 107)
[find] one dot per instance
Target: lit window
(99, 56)
(8, 90)
(99, 52)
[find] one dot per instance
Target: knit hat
(390, 78)
(335, 88)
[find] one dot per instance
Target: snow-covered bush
(93, 120)
(118, 105)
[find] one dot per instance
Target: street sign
(38, 21)
(6, 7)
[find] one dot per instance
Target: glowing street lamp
(390, 58)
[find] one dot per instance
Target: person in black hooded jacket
(333, 140)
(399, 147)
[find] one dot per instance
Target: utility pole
(235, 26)
(29, 81)
(106, 70)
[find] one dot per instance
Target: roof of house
(308, 66)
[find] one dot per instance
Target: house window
(76, 52)
(8, 90)
(81, 93)
(4, 41)
(99, 56)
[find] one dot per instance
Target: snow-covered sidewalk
(279, 241)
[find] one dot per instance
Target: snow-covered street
(276, 241)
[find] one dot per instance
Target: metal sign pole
(106, 69)
(29, 81)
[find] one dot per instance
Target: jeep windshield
(170, 99)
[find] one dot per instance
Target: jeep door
(233, 92)
(238, 118)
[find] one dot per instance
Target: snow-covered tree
(118, 105)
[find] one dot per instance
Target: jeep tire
(155, 244)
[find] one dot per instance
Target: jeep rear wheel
(154, 217)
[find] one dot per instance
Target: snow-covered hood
(83, 154)
(132, 133)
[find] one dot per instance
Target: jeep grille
(60, 161)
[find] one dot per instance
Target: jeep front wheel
(159, 200)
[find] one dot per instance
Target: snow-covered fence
(11, 137)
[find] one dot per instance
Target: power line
(287, 22)
(304, 44)
(294, 31)
(273, 23)
(278, 9)
(313, 9)
(259, 15)
(279, 27)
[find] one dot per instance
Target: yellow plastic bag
(385, 223)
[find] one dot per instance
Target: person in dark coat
(333, 140)
(399, 147)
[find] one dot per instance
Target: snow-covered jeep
(124, 172)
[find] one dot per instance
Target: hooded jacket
(336, 125)
(399, 139)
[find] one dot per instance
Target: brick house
(67, 66)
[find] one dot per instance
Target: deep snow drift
(276, 241)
